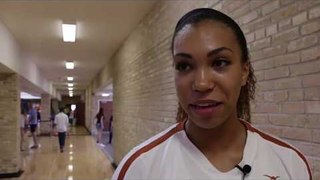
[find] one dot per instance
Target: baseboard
(87, 130)
(45, 134)
(11, 175)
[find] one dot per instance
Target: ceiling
(102, 26)
(4, 69)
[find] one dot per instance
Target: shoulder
(290, 156)
(132, 165)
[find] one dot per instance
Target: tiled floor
(82, 159)
(106, 146)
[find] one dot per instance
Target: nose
(203, 81)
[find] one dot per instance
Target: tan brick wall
(45, 106)
(284, 47)
(283, 38)
(144, 93)
(9, 120)
(45, 125)
(88, 114)
(92, 108)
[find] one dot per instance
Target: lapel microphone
(246, 169)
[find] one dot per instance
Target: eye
(220, 63)
(182, 66)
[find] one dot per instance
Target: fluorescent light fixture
(70, 88)
(69, 65)
(70, 84)
(69, 32)
(70, 78)
(70, 95)
(24, 95)
(105, 94)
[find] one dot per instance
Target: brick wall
(283, 37)
(284, 40)
(45, 126)
(88, 114)
(9, 120)
(45, 106)
(144, 94)
(92, 108)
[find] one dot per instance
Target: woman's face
(208, 72)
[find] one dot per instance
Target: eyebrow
(211, 53)
(185, 55)
(216, 51)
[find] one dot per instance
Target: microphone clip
(246, 169)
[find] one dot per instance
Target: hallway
(121, 59)
(82, 159)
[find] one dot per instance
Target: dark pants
(62, 138)
(33, 127)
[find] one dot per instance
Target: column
(45, 125)
(10, 159)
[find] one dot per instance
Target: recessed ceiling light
(70, 95)
(70, 84)
(70, 88)
(70, 78)
(69, 65)
(69, 32)
(105, 94)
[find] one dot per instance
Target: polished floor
(81, 159)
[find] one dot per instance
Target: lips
(205, 107)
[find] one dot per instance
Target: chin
(207, 123)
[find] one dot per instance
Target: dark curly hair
(247, 92)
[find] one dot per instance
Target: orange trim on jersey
(148, 147)
(278, 142)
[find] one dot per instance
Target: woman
(99, 124)
(213, 139)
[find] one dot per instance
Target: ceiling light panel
(69, 65)
(70, 78)
(69, 32)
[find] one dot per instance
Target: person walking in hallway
(39, 120)
(61, 122)
(33, 121)
(110, 129)
(99, 124)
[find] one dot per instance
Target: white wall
(12, 57)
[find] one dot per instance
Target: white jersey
(61, 120)
(171, 155)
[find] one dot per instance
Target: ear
(245, 73)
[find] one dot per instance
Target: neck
(225, 136)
